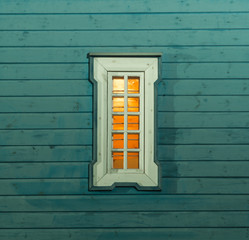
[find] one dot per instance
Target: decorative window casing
(124, 151)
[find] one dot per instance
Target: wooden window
(126, 120)
(124, 136)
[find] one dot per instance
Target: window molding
(101, 64)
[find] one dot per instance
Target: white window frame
(101, 174)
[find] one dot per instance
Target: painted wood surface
(140, 233)
(129, 6)
(106, 203)
(173, 54)
(76, 71)
(232, 186)
(124, 38)
(125, 219)
(46, 119)
(132, 21)
(124, 233)
(80, 170)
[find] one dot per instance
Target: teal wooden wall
(46, 119)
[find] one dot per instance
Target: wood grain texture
(200, 120)
(203, 136)
(124, 38)
(124, 219)
(203, 152)
(46, 137)
(69, 87)
(45, 104)
(125, 21)
(45, 120)
(99, 6)
(84, 153)
(16, 187)
(75, 169)
(50, 153)
(75, 71)
(79, 54)
(106, 203)
(127, 233)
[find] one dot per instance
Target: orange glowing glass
(133, 160)
(117, 122)
(133, 104)
(118, 85)
(133, 122)
(133, 84)
(118, 140)
(132, 140)
(118, 160)
(118, 104)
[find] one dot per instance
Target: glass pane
(133, 122)
(117, 140)
(118, 104)
(133, 160)
(118, 160)
(133, 84)
(117, 84)
(118, 122)
(133, 104)
(133, 140)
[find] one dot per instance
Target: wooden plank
(84, 120)
(124, 38)
(124, 219)
(45, 104)
(93, 6)
(127, 233)
(205, 169)
(80, 169)
(107, 203)
(79, 54)
(194, 186)
(45, 120)
(203, 87)
(203, 103)
(83, 87)
(125, 21)
(45, 88)
(84, 104)
(200, 120)
(45, 153)
(84, 153)
(46, 137)
(203, 152)
(203, 136)
(81, 71)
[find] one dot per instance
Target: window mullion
(125, 120)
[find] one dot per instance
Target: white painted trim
(148, 175)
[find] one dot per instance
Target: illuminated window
(124, 109)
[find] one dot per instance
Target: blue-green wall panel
(46, 119)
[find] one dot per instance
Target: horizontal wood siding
(46, 119)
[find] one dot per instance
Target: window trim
(100, 65)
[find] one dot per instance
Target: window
(124, 118)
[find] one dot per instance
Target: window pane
(133, 160)
(118, 104)
(118, 160)
(133, 140)
(118, 85)
(133, 84)
(133, 104)
(118, 140)
(118, 122)
(133, 122)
